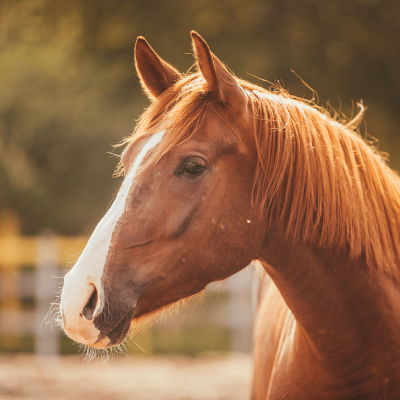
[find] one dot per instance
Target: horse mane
(316, 177)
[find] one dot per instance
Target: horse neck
(344, 310)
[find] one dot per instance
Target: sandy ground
(24, 377)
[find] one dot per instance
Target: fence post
(46, 286)
(10, 305)
(240, 310)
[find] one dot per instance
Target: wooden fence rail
(30, 269)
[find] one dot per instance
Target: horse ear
(219, 80)
(156, 75)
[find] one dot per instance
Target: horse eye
(194, 167)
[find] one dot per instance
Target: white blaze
(78, 283)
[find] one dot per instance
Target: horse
(220, 172)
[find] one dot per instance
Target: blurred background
(68, 91)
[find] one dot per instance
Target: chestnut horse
(221, 172)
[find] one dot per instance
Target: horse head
(183, 216)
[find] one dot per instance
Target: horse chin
(116, 335)
(101, 344)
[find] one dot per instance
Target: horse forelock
(316, 176)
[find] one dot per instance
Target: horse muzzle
(82, 299)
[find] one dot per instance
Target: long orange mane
(315, 176)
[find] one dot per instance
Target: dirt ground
(24, 377)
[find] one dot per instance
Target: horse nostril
(88, 310)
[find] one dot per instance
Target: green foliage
(68, 88)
